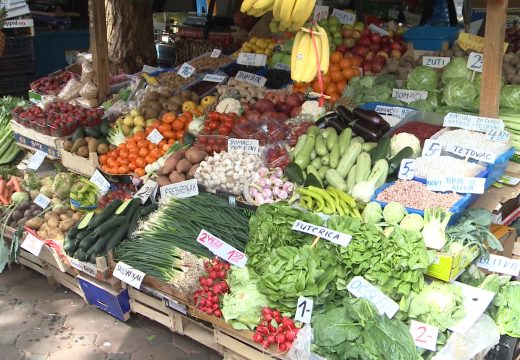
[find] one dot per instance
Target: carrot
(16, 184)
(3, 200)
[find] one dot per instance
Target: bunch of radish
(275, 329)
(213, 285)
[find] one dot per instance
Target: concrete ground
(39, 321)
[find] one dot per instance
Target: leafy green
(461, 93)
(507, 316)
(510, 97)
(456, 68)
(271, 227)
(370, 88)
(423, 78)
(355, 330)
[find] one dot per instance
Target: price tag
(76, 264)
(436, 62)
(509, 180)
(149, 69)
(186, 70)
(321, 12)
(431, 148)
(129, 275)
(396, 111)
(361, 288)
(180, 190)
(472, 153)
(36, 160)
(470, 122)
(281, 66)
(408, 96)
(252, 79)
(42, 201)
(325, 233)
(147, 190)
(89, 269)
(251, 59)
(100, 182)
(501, 264)
(462, 185)
(32, 244)
(498, 135)
(424, 335)
(376, 29)
(249, 146)
(215, 53)
(304, 310)
(475, 62)
(345, 17)
(407, 169)
(475, 301)
(222, 249)
(214, 78)
(154, 137)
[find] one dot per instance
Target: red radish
(258, 338)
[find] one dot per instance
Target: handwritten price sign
(407, 169)
(222, 249)
(475, 62)
(424, 335)
(186, 70)
(431, 148)
(304, 310)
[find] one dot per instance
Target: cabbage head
(423, 78)
(423, 105)
(459, 92)
(510, 97)
(456, 68)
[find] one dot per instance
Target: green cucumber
(381, 151)
(106, 213)
(85, 221)
(109, 225)
(395, 162)
(332, 140)
(334, 156)
(99, 247)
(320, 146)
(123, 206)
(117, 237)
(88, 241)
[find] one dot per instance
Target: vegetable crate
(79, 164)
(33, 140)
(100, 271)
(115, 303)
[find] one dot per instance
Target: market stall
(332, 190)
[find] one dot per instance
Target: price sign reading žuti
(424, 335)
(475, 62)
(222, 249)
(436, 62)
(186, 70)
(431, 148)
(36, 160)
(407, 169)
(304, 310)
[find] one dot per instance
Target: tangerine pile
(341, 70)
(136, 152)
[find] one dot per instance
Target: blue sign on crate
(20, 139)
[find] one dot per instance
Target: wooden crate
(67, 279)
(33, 140)
(78, 164)
(516, 249)
(26, 259)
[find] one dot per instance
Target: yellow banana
(276, 9)
(301, 61)
(294, 27)
(246, 5)
(294, 51)
(325, 50)
(263, 4)
(286, 10)
(311, 67)
(302, 10)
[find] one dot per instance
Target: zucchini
(335, 180)
(116, 238)
(81, 255)
(313, 131)
(86, 220)
(304, 156)
(348, 159)
(334, 156)
(351, 179)
(380, 170)
(344, 140)
(369, 146)
(299, 145)
(88, 241)
(325, 160)
(316, 163)
(105, 214)
(332, 140)
(109, 225)
(358, 139)
(322, 171)
(395, 162)
(294, 173)
(102, 242)
(381, 151)
(320, 146)
(362, 167)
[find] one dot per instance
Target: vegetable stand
(256, 200)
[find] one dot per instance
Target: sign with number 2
(424, 335)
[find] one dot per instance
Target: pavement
(39, 321)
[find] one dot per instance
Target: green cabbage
(423, 105)
(507, 316)
(394, 212)
(373, 213)
(510, 97)
(461, 93)
(456, 69)
(423, 78)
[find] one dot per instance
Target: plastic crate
(431, 38)
(17, 65)
(504, 350)
(18, 46)
(498, 168)
(15, 84)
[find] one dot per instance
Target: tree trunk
(130, 35)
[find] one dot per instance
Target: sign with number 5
(407, 169)
(431, 148)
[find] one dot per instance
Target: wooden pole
(493, 57)
(99, 47)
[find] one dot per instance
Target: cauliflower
(402, 140)
(229, 105)
(312, 107)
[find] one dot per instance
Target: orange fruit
(357, 71)
(334, 67)
(132, 166)
(316, 86)
(336, 57)
(336, 76)
(143, 152)
(142, 144)
(123, 169)
(326, 79)
(140, 162)
(164, 127)
(331, 89)
(103, 159)
(341, 85)
(349, 73)
(345, 63)
(168, 118)
(139, 172)
(356, 61)
(178, 124)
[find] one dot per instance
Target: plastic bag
(478, 340)
(87, 72)
(89, 91)
(70, 90)
(87, 103)
(301, 347)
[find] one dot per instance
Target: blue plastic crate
(498, 168)
(105, 298)
(431, 38)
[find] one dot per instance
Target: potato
(163, 181)
(102, 149)
(43, 234)
(183, 166)
(35, 223)
(175, 177)
(64, 217)
(77, 216)
(171, 162)
(191, 174)
(53, 222)
(195, 156)
(55, 234)
(67, 145)
(65, 225)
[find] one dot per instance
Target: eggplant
(367, 131)
(333, 120)
(371, 117)
(345, 114)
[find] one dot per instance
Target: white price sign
(148, 189)
(436, 62)
(470, 122)
(498, 135)
(501, 264)
(186, 70)
(321, 12)
(149, 69)
(32, 244)
(252, 79)
(424, 335)
(100, 182)
(475, 61)
(155, 137)
(396, 111)
(214, 78)
(472, 153)
(215, 53)
(361, 288)
(180, 190)
(87, 268)
(42, 201)
(408, 96)
(304, 310)
(36, 160)
(462, 185)
(431, 148)
(251, 59)
(281, 66)
(333, 236)
(222, 249)
(407, 169)
(475, 302)
(249, 146)
(376, 29)
(129, 275)
(345, 17)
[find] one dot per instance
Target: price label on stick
(32, 244)
(436, 62)
(344, 17)
(431, 148)
(180, 190)
(186, 70)
(215, 53)
(42, 201)
(251, 59)
(475, 61)
(100, 181)
(36, 160)
(304, 310)
(154, 137)
(424, 335)
(214, 78)
(407, 169)
(148, 189)
(222, 249)
(128, 274)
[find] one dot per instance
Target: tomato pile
(219, 124)
(213, 285)
(275, 329)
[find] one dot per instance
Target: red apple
(366, 65)
(364, 41)
(375, 47)
(376, 68)
(395, 45)
(365, 32)
(385, 39)
(374, 37)
(380, 60)
(342, 48)
(360, 51)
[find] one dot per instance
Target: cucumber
(99, 247)
(128, 205)
(106, 213)
(92, 131)
(117, 237)
(88, 241)
(334, 156)
(320, 146)
(381, 151)
(316, 163)
(86, 220)
(335, 180)
(332, 140)
(109, 225)
(294, 173)
(325, 160)
(299, 145)
(322, 171)
(351, 179)
(73, 232)
(395, 162)
(81, 255)
(304, 156)
(105, 127)
(77, 134)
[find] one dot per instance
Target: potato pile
(158, 101)
(54, 224)
(180, 166)
(511, 68)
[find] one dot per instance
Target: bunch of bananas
(257, 8)
(291, 14)
(84, 193)
(328, 201)
(304, 63)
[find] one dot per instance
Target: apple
(383, 54)
(370, 56)
(380, 60)
(376, 67)
(356, 34)
(366, 65)
(359, 26)
(365, 32)
(385, 39)
(395, 45)
(395, 54)
(364, 41)
(342, 47)
(360, 51)
(386, 49)
(375, 47)
(375, 37)
(349, 42)
(347, 33)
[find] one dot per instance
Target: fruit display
(291, 14)
(240, 90)
(158, 101)
(258, 46)
(52, 84)
(307, 53)
(206, 62)
(172, 80)
(87, 140)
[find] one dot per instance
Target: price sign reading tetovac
(129, 275)
(32, 244)
(186, 70)
(464, 151)
(100, 181)
(214, 78)
(180, 190)
(155, 137)
(361, 288)
(431, 148)
(222, 249)
(344, 17)
(436, 62)
(215, 53)
(304, 310)
(322, 232)
(498, 135)
(147, 190)
(463, 185)
(501, 264)
(42, 201)
(252, 79)
(249, 146)
(475, 62)
(36, 160)
(424, 335)
(321, 12)
(251, 59)
(408, 96)
(407, 169)
(470, 122)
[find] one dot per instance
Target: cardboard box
(449, 267)
(507, 237)
(78, 164)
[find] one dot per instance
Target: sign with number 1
(304, 310)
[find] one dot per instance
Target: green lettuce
(507, 316)
(460, 93)
(423, 78)
(510, 97)
(456, 68)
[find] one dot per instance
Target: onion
(283, 107)
(264, 105)
(253, 116)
